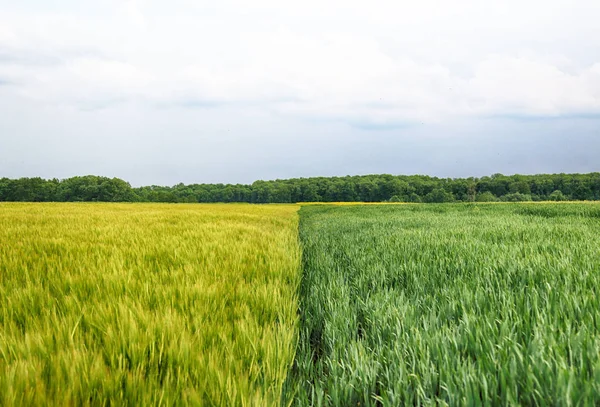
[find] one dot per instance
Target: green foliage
(365, 188)
(486, 196)
(439, 196)
(414, 198)
(557, 196)
(449, 305)
(516, 197)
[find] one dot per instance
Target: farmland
(146, 304)
(325, 305)
(453, 305)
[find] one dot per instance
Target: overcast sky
(161, 92)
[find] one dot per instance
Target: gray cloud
(161, 93)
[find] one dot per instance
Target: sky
(233, 91)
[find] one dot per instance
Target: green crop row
(449, 305)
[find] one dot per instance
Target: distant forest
(365, 188)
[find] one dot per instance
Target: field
(324, 305)
(146, 304)
(449, 305)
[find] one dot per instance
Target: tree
(115, 190)
(414, 198)
(486, 197)
(557, 196)
(309, 192)
(439, 196)
(369, 188)
(516, 197)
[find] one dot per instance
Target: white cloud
(522, 86)
(376, 62)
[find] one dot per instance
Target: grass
(153, 304)
(449, 305)
(147, 304)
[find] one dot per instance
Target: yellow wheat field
(147, 304)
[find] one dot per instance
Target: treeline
(366, 188)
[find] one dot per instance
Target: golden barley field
(147, 304)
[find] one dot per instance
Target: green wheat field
(299, 305)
